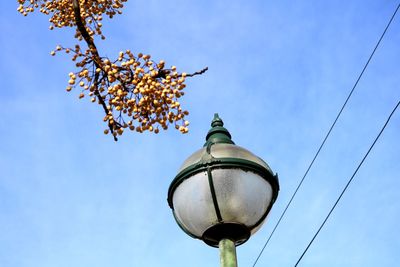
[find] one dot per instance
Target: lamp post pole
(227, 250)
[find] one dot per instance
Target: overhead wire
(327, 135)
(348, 183)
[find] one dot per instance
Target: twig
(197, 72)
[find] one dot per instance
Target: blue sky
(279, 72)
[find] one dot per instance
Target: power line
(327, 135)
(347, 185)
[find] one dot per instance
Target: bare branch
(197, 72)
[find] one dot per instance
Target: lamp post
(222, 193)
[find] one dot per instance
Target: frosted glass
(193, 204)
(242, 196)
(224, 151)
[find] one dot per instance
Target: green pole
(227, 251)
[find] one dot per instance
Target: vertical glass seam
(213, 195)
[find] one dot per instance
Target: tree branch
(82, 29)
(96, 57)
(197, 72)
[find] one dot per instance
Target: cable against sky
(328, 134)
(348, 183)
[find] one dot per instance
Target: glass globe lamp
(222, 191)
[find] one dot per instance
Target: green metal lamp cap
(218, 134)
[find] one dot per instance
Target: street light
(222, 193)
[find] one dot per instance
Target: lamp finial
(218, 133)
